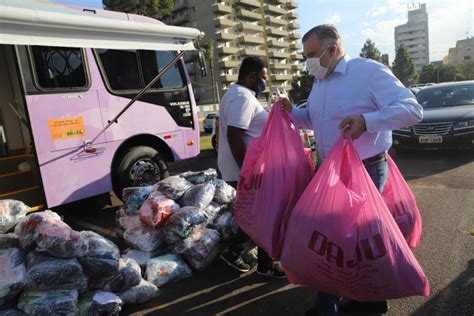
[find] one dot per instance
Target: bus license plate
(431, 139)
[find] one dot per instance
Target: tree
(370, 51)
(448, 73)
(428, 74)
(208, 50)
(301, 88)
(403, 67)
(466, 69)
(156, 9)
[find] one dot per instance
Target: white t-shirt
(239, 108)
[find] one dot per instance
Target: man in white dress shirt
(360, 95)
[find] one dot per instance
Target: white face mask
(314, 67)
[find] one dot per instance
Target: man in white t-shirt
(241, 118)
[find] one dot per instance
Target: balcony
(251, 40)
(280, 66)
(297, 56)
(294, 36)
(275, 21)
(293, 26)
(249, 27)
(277, 77)
(272, 9)
(222, 8)
(225, 37)
(248, 15)
(291, 4)
(229, 64)
(223, 22)
(252, 52)
(292, 15)
(280, 44)
(276, 32)
(229, 78)
(179, 5)
(279, 55)
(227, 50)
(297, 67)
(250, 3)
(277, 1)
(182, 19)
(296, 77)
(296, 46)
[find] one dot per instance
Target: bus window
(152, 61)
(60, 68)
(121, 69)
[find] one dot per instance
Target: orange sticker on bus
(66, 128)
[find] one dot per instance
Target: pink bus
(90, 101)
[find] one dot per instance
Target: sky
(357, 20)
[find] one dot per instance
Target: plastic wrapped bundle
(213, 210)
(140, 293)
(46, 303)
(99, 303)
(199, 244)
(11, 211)
(47, 273)
(102, 257)
(26, 228)
(225, 225)
(144, 238)
(125, 222)
(140, 256)
(157, 208)
(199, 195)
(12, 273)
(174, 187)
(9, 241)
(224, 194)
(201, 265)
(199, 177)
(134, 197)
(167, 269)
(10, 309)
(128, 276)
(181, 223)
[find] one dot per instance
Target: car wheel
(139, 166)
(208, 130)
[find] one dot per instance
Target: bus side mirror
(202, 63)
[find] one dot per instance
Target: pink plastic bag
(341, 238)
(274, 174)
(402, 204)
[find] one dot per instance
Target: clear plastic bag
(201, 265)
(174, 187)
(225, 225)
(26, 227)
(180, 224)
(140, 256)
(199, 244)
(213, 210)
(144, 238)
(134, 197)
(199, 195)
(199, 177)
(167, 269)
(9, 240)
(157, 208)
(99, 303)
(141, 293)
(47, 273)
(224, 194)
(124, 222)
(11, 211)
(102, 257)
(13, 273)
(129, 275)
(46, 303)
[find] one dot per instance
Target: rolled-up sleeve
(301, 118)
(397, 106)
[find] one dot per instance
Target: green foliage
(403, 67)
(370, 51)
(301, 88)
(156, 9)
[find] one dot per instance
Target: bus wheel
(139, 166)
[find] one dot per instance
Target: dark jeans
(327, 304)
(235, 245)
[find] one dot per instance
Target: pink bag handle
(276, 113)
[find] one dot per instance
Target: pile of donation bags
(47, 268)
(339, 234)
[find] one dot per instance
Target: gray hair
(327, 33)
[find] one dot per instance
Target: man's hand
(355, 124)
(285, 105)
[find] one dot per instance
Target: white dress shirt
(358, 86)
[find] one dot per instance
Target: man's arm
(300, 116)
(235, 137)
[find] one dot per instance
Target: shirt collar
(341, 66)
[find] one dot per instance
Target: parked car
(307, 135)
(209, 122)
(448, 119)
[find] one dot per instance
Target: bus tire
(139, 166)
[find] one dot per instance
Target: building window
(59, 67)
(467, 57)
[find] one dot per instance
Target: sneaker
(355, 307)
(234, 260)
(273, 270)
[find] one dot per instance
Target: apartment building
(463, 52)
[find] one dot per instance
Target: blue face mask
(261, 86)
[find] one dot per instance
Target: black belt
(374, 159)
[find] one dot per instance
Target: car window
(446, 96)
(211, 116)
